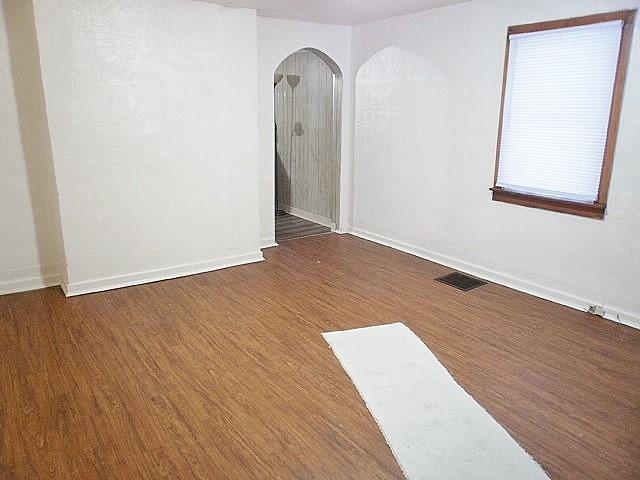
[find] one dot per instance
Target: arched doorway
(307, 107)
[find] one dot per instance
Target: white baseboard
(98, 285)
(312, 217)
(32, 278)
(267, 243)
(613, 313)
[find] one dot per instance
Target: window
(561, 100)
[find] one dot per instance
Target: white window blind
(556, 110)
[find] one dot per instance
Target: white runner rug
(434, 428)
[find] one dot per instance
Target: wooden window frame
(597, 208)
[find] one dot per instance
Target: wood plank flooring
(289, 227)
(225, 375)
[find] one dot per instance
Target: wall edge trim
(613, 313)
(268, 242)
(32, 280)
(150, 276)
(312, 217)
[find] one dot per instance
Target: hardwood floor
(225, 374)
(290, 227)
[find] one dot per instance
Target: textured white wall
(153, 123)
(427, 104)
(152, 113)
(29, 240)
(277, 39)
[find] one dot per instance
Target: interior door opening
(307, 108)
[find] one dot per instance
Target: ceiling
(341, 12)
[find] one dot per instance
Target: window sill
(590, 210)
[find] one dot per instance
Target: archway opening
(307, 109)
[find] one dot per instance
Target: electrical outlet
(596, 310)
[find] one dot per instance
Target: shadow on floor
(289, 227)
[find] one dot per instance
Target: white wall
(29, 230)
(153, 112)
(426, 120)
(153, 123)
(277, 39)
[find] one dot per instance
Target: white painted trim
(32, 278)
(98, 285)
(312, 217)
(267, 243)
(613, 313)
